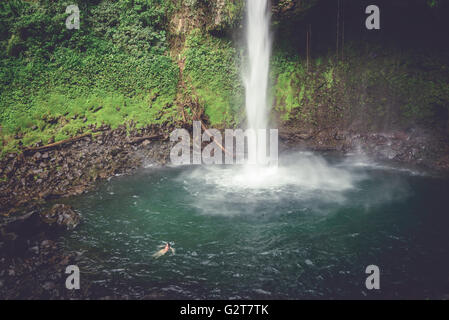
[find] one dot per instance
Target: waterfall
(256, 78)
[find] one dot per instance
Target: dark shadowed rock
(61, 215)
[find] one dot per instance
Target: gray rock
(62, 215)
(49, 285)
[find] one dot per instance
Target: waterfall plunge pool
(307, 229)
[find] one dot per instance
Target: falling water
(305, 171)
(256, 79)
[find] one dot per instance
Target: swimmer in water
(163, 251)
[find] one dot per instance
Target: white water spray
(256, 78)
(301, 175)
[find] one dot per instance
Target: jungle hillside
(142, 62)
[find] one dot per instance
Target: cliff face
(210, 16)
(201, 36)
(335, 85)
(160, 62)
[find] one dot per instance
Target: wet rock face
(290, 9)
(61, 215)
(219, 16)
(227, 14)
(424, 148)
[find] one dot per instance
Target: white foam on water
(308, 172)
(234, 190)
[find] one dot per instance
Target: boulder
(61, 215)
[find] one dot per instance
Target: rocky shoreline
(32, 263)
(72, 168)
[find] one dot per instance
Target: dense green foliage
(123, 66)
(112, 70)
(382, 85)
(212, 74)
